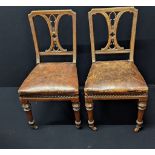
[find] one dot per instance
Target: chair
(117, 79)
(51, 81)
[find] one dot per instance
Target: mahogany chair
(51, 81)
(117, 79)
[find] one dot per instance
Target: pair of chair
(107, 80)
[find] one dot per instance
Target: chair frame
(54, 49)
(116, 49)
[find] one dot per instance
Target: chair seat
(51, 79)
(114, 77)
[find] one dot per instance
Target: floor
(14, 132)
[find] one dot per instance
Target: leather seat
(114, 77)
(51, 79)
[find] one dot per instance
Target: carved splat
(112, 16)
(52, 18)
(53, 22)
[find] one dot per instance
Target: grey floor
(14, 132)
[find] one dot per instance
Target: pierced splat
(53, 22)
(112, 17)
(112, 32)
(52, 18)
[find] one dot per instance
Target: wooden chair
(119, 79)
(52, 81)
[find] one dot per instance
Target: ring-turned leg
(27, 108)
(89, 108)
(142, 103)
(76, 108)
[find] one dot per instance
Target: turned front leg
(89, 108)
(27, 108)
(76, 108)
(141, 109)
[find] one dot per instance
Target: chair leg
(27, 108)
(76, 108)
(141, 109)
(89, 108)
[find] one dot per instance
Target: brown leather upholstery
(51, 79)
(114, 77)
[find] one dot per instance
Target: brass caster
(138, 126)
(34, 126)
(78, 126)
(91, 125)
(93, 128)
(137, 129)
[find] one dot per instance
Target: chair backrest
(52, 18)
(112, 16)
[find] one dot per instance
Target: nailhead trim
(46, 96)
(116, 95)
